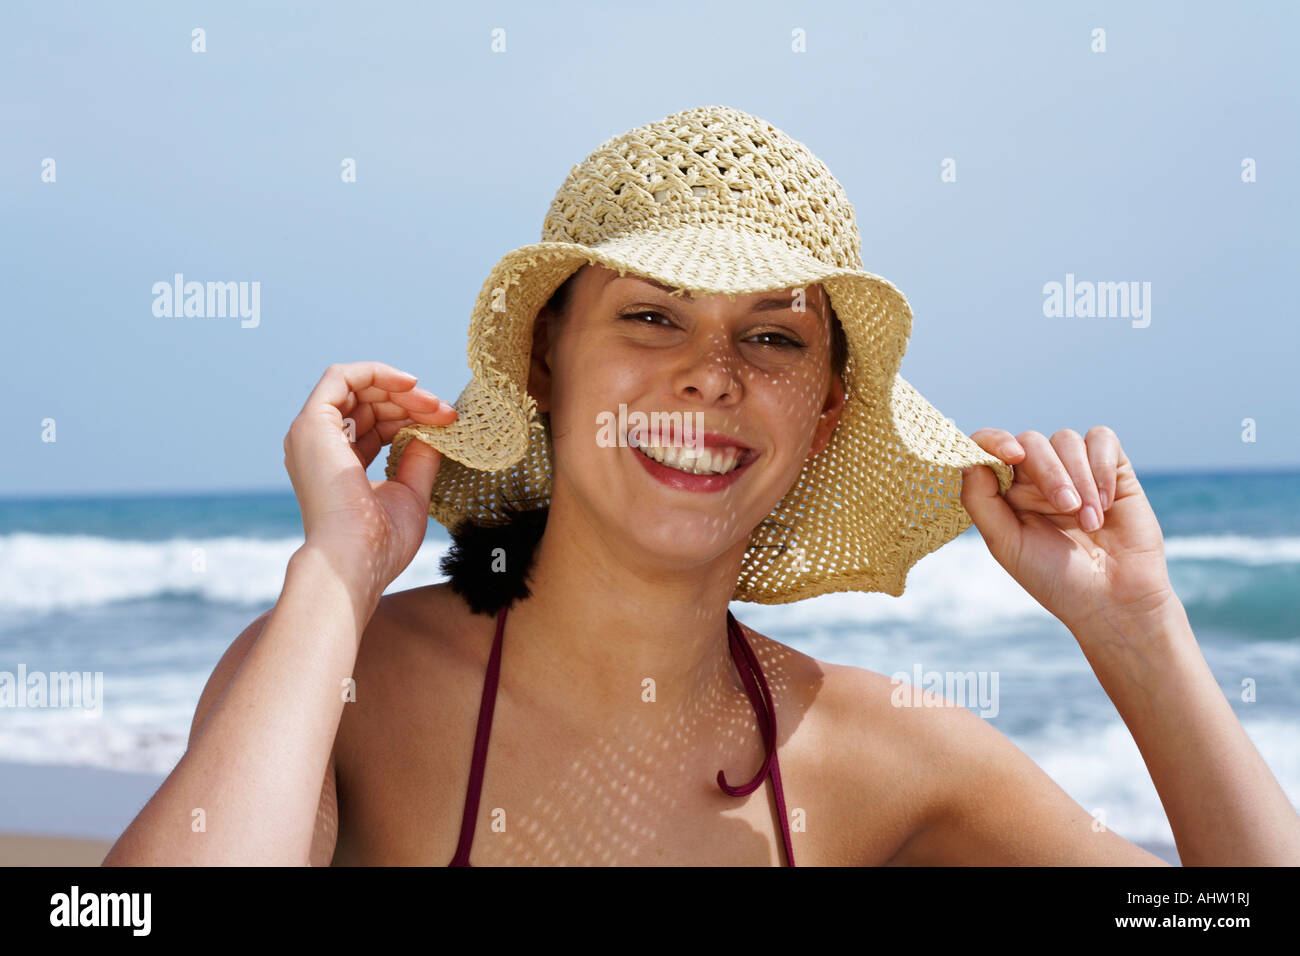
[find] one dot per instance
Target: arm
(260, 761)
(259, 764)
(995, 806)
(1224, 805)
(1076, 530)
(989, 804)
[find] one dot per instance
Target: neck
(601, 620)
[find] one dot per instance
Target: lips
(705, 451)
(671, 438)
(688, 481)
(694, 460)
(719, 459)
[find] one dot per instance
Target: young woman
(622, 716)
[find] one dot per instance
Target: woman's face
(756, 369)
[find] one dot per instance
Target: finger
(388, 429)
(1074, 456)
(390, 418)
(1042, 466)
(341, 378)
(407, 405)
(999, 442)
(377, 433)
(996, 522)
(367, 447)
(1103, 455)
(418, 469)
(397, 402)
(413, 397)
(362, 418)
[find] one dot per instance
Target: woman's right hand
(374, 528)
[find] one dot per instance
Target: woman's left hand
(1075, 528)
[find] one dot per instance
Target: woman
(627, 710)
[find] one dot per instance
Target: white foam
(960, 587)
(59, 572)
(1235, 548)
(1102, 768)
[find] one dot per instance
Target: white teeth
(709, 461)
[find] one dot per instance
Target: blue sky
(225, 165)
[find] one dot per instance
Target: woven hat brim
(884, 492)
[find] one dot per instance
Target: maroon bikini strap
(485, 708)
(748, 666)
(759, 695)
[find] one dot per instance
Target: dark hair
(489, 565)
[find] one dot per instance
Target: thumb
(989, 510)
(418, 468)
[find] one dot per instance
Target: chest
(640, 792)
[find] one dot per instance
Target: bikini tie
(747, 664)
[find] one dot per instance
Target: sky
(1122, 165)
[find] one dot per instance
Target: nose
(709, 374)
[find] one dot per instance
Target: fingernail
(1009, 450)
(1088, 519)
(1067, 499)
(1105, 501)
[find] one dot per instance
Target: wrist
(311, 564)
(1138, 631)
(1157, 611)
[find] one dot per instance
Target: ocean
(150, 591)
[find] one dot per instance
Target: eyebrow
(777, 303)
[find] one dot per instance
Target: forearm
(1224, 805)
(256, 765)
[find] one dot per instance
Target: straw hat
(714, 200)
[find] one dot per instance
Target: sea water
(150, 591)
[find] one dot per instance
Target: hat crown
(710, 164)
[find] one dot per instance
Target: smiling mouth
(692, 461)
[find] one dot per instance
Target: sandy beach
(66, 815)
(20, 849)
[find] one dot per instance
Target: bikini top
(755, 686)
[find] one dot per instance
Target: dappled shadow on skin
(643, 792)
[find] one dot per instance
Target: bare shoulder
(431, 622)
(916, 779)
(852, 760)
(423, 642)
(418, 671)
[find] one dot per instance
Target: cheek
(583, 389)
(796, 396)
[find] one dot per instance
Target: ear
(830, 416)
(539, 370)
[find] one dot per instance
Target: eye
(640, 313)
(785, 343)
(781, 341)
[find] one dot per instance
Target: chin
(682, 538)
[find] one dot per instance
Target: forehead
(612, 282)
